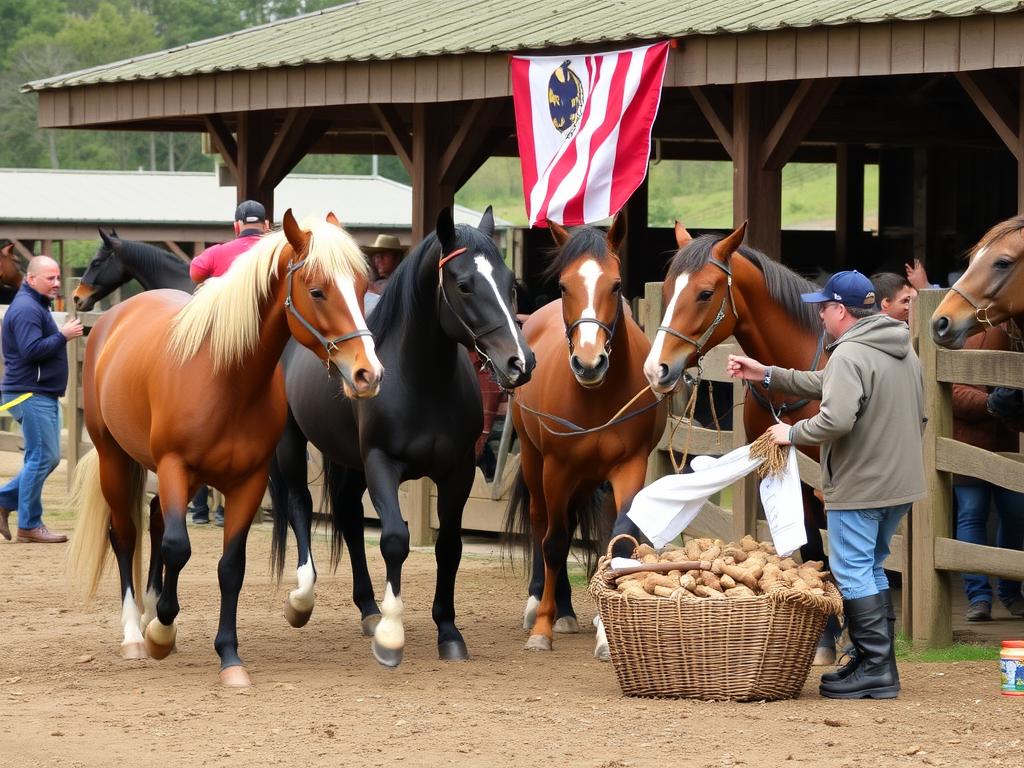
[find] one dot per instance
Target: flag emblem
(565, 97)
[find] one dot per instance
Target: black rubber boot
(869, 630)
(847, 669)
(890, 615)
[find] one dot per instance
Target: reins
(575, 430)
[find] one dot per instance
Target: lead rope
(576, 430)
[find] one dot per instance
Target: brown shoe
(40, 535)
(5, 529)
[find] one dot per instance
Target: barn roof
(365, 30)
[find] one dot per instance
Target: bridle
(443, 296)
(330, 345)
(609, 330)
(726, 299)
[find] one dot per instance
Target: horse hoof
(824, 656)
(157, 644)
(134, 651)
(601, 652)
(235, 677)
(388, 657)
(296, 617)
(452, 650)
(567, 625)
(538, 643)
(370, 624)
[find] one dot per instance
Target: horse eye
(464, 288)
(1003, 264)
(317, 294)
(705, 295)
(561, 287)
(617, 286)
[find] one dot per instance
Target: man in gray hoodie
(869, 428)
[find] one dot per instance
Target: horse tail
(595, 524)
(90, 544)
(278, 488)
(517, 530)
(334, 475)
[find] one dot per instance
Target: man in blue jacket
(35, 362)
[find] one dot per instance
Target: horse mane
(582, 240)
(226, 309)
(783, 284)
(997, 232)
(150, 253)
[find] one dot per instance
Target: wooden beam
(849, 203)
(429, 193)
(717, 111)
(984, 368)
(395, 129)
(24, 252)
(756, 190)
(995, 104)
(955, 456)
(222, 141)
(254, 139)
(471, 133)
(174, 248)
(797, 117)
(953, 555)
(283, 146)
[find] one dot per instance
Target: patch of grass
(905, 651)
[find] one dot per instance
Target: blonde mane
(227, 309)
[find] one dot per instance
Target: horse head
(700, 310)
(10, 267)
(326, 281)
(990, 292)
(590, 282)
(105, 274)
(478, 290)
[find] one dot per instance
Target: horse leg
(536, 588)
(240, 509)
(555, 547)
(566, 622)
(175, 551)
(289, 468)
(452, 493)
(155, 579)
(347, 500)
(383, 475)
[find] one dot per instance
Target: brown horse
(562, 464)
(990, 292)
(10, 270)
(190, 387)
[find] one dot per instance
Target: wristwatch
(767, 377)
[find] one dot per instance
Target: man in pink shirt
(250, 224)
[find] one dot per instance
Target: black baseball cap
(250, 212)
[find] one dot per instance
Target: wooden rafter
(282, 148)
(796, 119)
(174, 248)
(223, 141)
(717, 111)
(24, 252)
(468, 140)
(395, 130)
(995, 104)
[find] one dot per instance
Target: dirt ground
(68, 699)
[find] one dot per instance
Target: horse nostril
(77, 300)
(517, 363)
(362, 379)
(663, 373)
(941, 325)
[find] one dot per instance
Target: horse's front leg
(175, 550)
(240, 508)
(383, 475)
(346, 488)
(288, 470)
(155, 580)
(452, 493)
(554, 544)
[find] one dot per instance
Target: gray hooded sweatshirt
(871, 417)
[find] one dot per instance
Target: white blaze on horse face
(347, 287)
(591, 272)
(390, 632)
(653, 362)
(130, 620)
(301, 598)
(486, 270)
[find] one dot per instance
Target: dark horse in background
(119, 261)
(452, 292)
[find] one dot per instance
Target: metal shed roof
(366, 30)
(124, 197)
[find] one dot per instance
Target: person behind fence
(35, 364)
(894, 295)
(870, 428)
(991, 420)
(250, 224)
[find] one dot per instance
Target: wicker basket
(740, 649)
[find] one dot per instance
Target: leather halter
(980, 312)
(727, 298)
(474, 337)
(608, 329)
(329, 345)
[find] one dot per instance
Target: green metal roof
(402, 29)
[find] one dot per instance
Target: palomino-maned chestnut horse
(990, 291)
(715, 288)
(563, 466)
(11, 275)
(189, 387)
(118, 261)
(451, 292)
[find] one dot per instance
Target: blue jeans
(858, 541)
(39, 417)
(972, 508)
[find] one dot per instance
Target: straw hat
(385, 243)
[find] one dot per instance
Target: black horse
(118, 261)
(452, 290)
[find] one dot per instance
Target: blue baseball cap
(850, 288)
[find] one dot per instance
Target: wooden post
(631, 257)
(756, 191)
(849, 203)
(658, 464)
(254, 138)
(429, 195)
(418, 512)
(745, 493)
(932, 518)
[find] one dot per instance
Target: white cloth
(667, 506)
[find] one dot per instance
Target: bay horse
(190, 387)
(716, 288)
(572, 437)
(451, 292)
(11, 275)
(990, 291)
(118, 261)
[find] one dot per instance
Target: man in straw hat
(385, 254)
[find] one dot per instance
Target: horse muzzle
(589, 376)
(360, 382)
(950, 334)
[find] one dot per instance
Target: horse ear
(297, 237)
(727, 246)
(104, 237)
(683, 237)
(332, 219)
(486, 225)
(559, 233)
(446, 229)
(616, 232)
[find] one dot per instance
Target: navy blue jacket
(35, 351)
